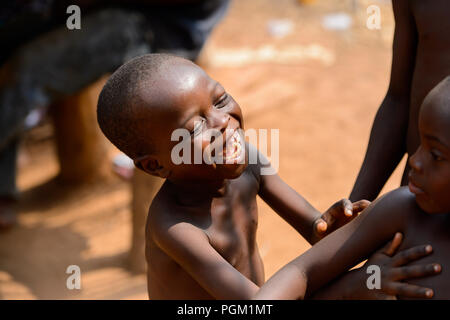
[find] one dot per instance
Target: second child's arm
(299, 213)
(341, 250)
(396, 270)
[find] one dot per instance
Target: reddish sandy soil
(323, 111)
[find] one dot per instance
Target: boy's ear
(152, 166)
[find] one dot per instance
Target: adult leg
(55, 66)
(82, 149)
(62, 62)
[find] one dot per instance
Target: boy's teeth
(235, 148)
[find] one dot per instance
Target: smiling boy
(201, 228)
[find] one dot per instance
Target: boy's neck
(189, 191)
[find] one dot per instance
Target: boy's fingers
(418, 271)
(393, 245)
(343, 205)
(409, 290)
(411, 254)
(329, 216)
(320, 226)
(347, 206)
(360, 205)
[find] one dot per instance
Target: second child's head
(150, 97)
(429, 178)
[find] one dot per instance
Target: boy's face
(429, 178)
(189, 99)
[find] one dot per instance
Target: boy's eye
(198, 124)
(436, 155)
(222, 101)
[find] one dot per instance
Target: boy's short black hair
(440, 94)
(119, 108)
(443, 90)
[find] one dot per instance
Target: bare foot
(8, 216)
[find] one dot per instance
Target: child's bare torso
(230, 223)
(432, 58)
(422, 228)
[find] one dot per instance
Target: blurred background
(311, 69)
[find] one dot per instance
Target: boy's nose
(415, 161)
(219, 120)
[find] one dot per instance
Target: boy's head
(430, 165)
(149, 97)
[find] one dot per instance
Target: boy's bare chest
(436, 233)
(231, 228)
(235, 238)
(234, 221)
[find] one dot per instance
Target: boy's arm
(190, 248)
(396, 271)
(341, 250)
(298, 212)
(289, 205)
(387, 143)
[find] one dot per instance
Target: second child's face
(429, 178)
(197, 104)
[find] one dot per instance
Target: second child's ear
(152, 166)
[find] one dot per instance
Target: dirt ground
(321, 88)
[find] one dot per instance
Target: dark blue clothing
(49, 62)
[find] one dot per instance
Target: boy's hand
(336, 216)
(394, 270)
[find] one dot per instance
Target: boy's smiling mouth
(233, 147)
(231, 151)
(413, 186)
(415, 189)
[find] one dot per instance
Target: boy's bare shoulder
(166, 219)
(398, 204)
(257, 161)
(400, 197)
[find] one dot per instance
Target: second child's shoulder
(399, 203)
(257, 162)
(400, 197)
